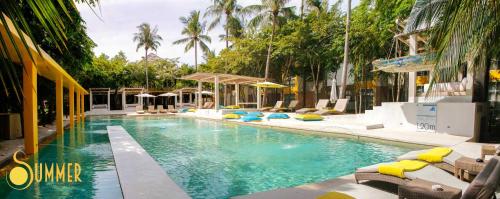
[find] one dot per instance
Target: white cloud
(120, 18)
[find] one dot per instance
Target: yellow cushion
(435, 155)
(231, 116)
(309, 117)
(191, 110)
(335, 195)
(232, 107)
(399, 168)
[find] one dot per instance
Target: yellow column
(72, 106)
(59, 105)
(30, 108)
(83, 106)
(78, 105)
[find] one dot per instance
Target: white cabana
(130, 91)
(99, 92)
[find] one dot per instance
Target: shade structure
(167, 95)
(145, 95)
(412, 63)
(206, 92)
(268, 85)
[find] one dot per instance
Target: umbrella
(145, 95)
(333, 92)
(168, 95)
(268, 85)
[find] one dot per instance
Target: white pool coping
(139, 174)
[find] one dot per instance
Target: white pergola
(218, 78)
(131, 91)
(99, 91)
(182, 91)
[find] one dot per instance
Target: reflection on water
(86, 144)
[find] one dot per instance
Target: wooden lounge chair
(322, 104)
(139, 110)
(483, 186)
(161, 109)
(291, 107)
(339, 108)
(208, 105)
(171, 109)
(277, 107)
(151, 109)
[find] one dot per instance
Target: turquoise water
(207, 159)
(89, 146)
(211, 159)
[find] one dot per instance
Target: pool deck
(352, 126)
(139, 174)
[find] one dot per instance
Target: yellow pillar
(30, 108)
(59, 105)
(82, 102)
(72, 106)
(78, 105)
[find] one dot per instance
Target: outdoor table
(467, 164)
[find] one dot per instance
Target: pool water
(208, 159)
(87, 145)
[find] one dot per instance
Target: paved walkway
(139, 174)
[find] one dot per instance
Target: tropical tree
(343, 83)
(194, 29)
(148, 39)
(273, 12)
(462, 31)
(226, 8)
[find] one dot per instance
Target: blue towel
(278, 116)
(250, 118)
(240, 112)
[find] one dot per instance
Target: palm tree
(343, 83)
(461, 31)
(50, 15)
(148, 39)
(194, 30)
(269, 11)
(226, 8)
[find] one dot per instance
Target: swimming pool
(209, 159)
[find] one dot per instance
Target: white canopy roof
(168, 95)
(145, 95)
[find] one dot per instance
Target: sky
(116, 21)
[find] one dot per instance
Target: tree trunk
(227, 30)
(196, 55)
(269, 49)
(146, 65)
(343, 85)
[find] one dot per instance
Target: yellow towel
(232, 107)
(335, 195)
(309, 117)
(191, 110)
(399, 168)
(231, 116)
(435, 155)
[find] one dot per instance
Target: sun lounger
(291, 107)
(277, 107)
(139, 110)
(483, 186)
(208, 105)
(151, 109)
(171, 109)
(339, 108)
(161, 109)
(448, 163)
(322, 104)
